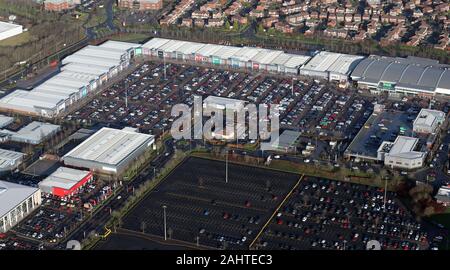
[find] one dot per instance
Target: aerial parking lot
(265, 209)
(328, 214)
(57, 217)
(200, 203)
(144, 99)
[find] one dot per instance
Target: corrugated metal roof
(412, 73)
(99, 52)
(64, 178)
(9, 158)
(191, 47)
(227, 52)
(321, 61)
(88, 60)
(245, 53)
(119, 45)
(155, 43)
(109, 146)
(85, 69)
(210, 50)
(281, 59)
(296, 61)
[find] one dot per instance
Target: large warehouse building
(16, 202)
(331, 66)
(8, 30)
(250, 58)
(411, 75)
(65, 181)
(33, 133)
(109, 151)
(82, 72)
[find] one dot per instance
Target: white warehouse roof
(64, 178)
(109, 146)
(119, 45)
(295, 60)
(89, 60)
(244, 54)
(26, 101)
(333, 62)
(155, 43)
(80, 70)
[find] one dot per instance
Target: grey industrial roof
(5, 120)
(227, 52)
(155, 43)
(119, 45)
(403, 147)
(412, 72)
(333, 62)
(191, 47)
(64, 178)
(427, 117)
(36, 131)
(211, 50)
(258, 55)
(79, 70)
(11, 195)
(8, 157)
(109, 146)
(295, 60)
(286, 139)
(89, 69)
(266, 56)
(95, 51)
(222, 101)
(28, 101)
(89, 60)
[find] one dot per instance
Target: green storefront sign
(216, 61)
(138, 51)
(386, 86)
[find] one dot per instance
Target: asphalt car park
(144, 99)
(333, 215)
(201, 205)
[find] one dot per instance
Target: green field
(16, 40)
(131, 37)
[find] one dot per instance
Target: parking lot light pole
(165, 73)
(385, 194)
(226, 166)
(292, 86)
(165, 222)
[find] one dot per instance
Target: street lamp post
(165, 222)
(226, 165)
(385, 194)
